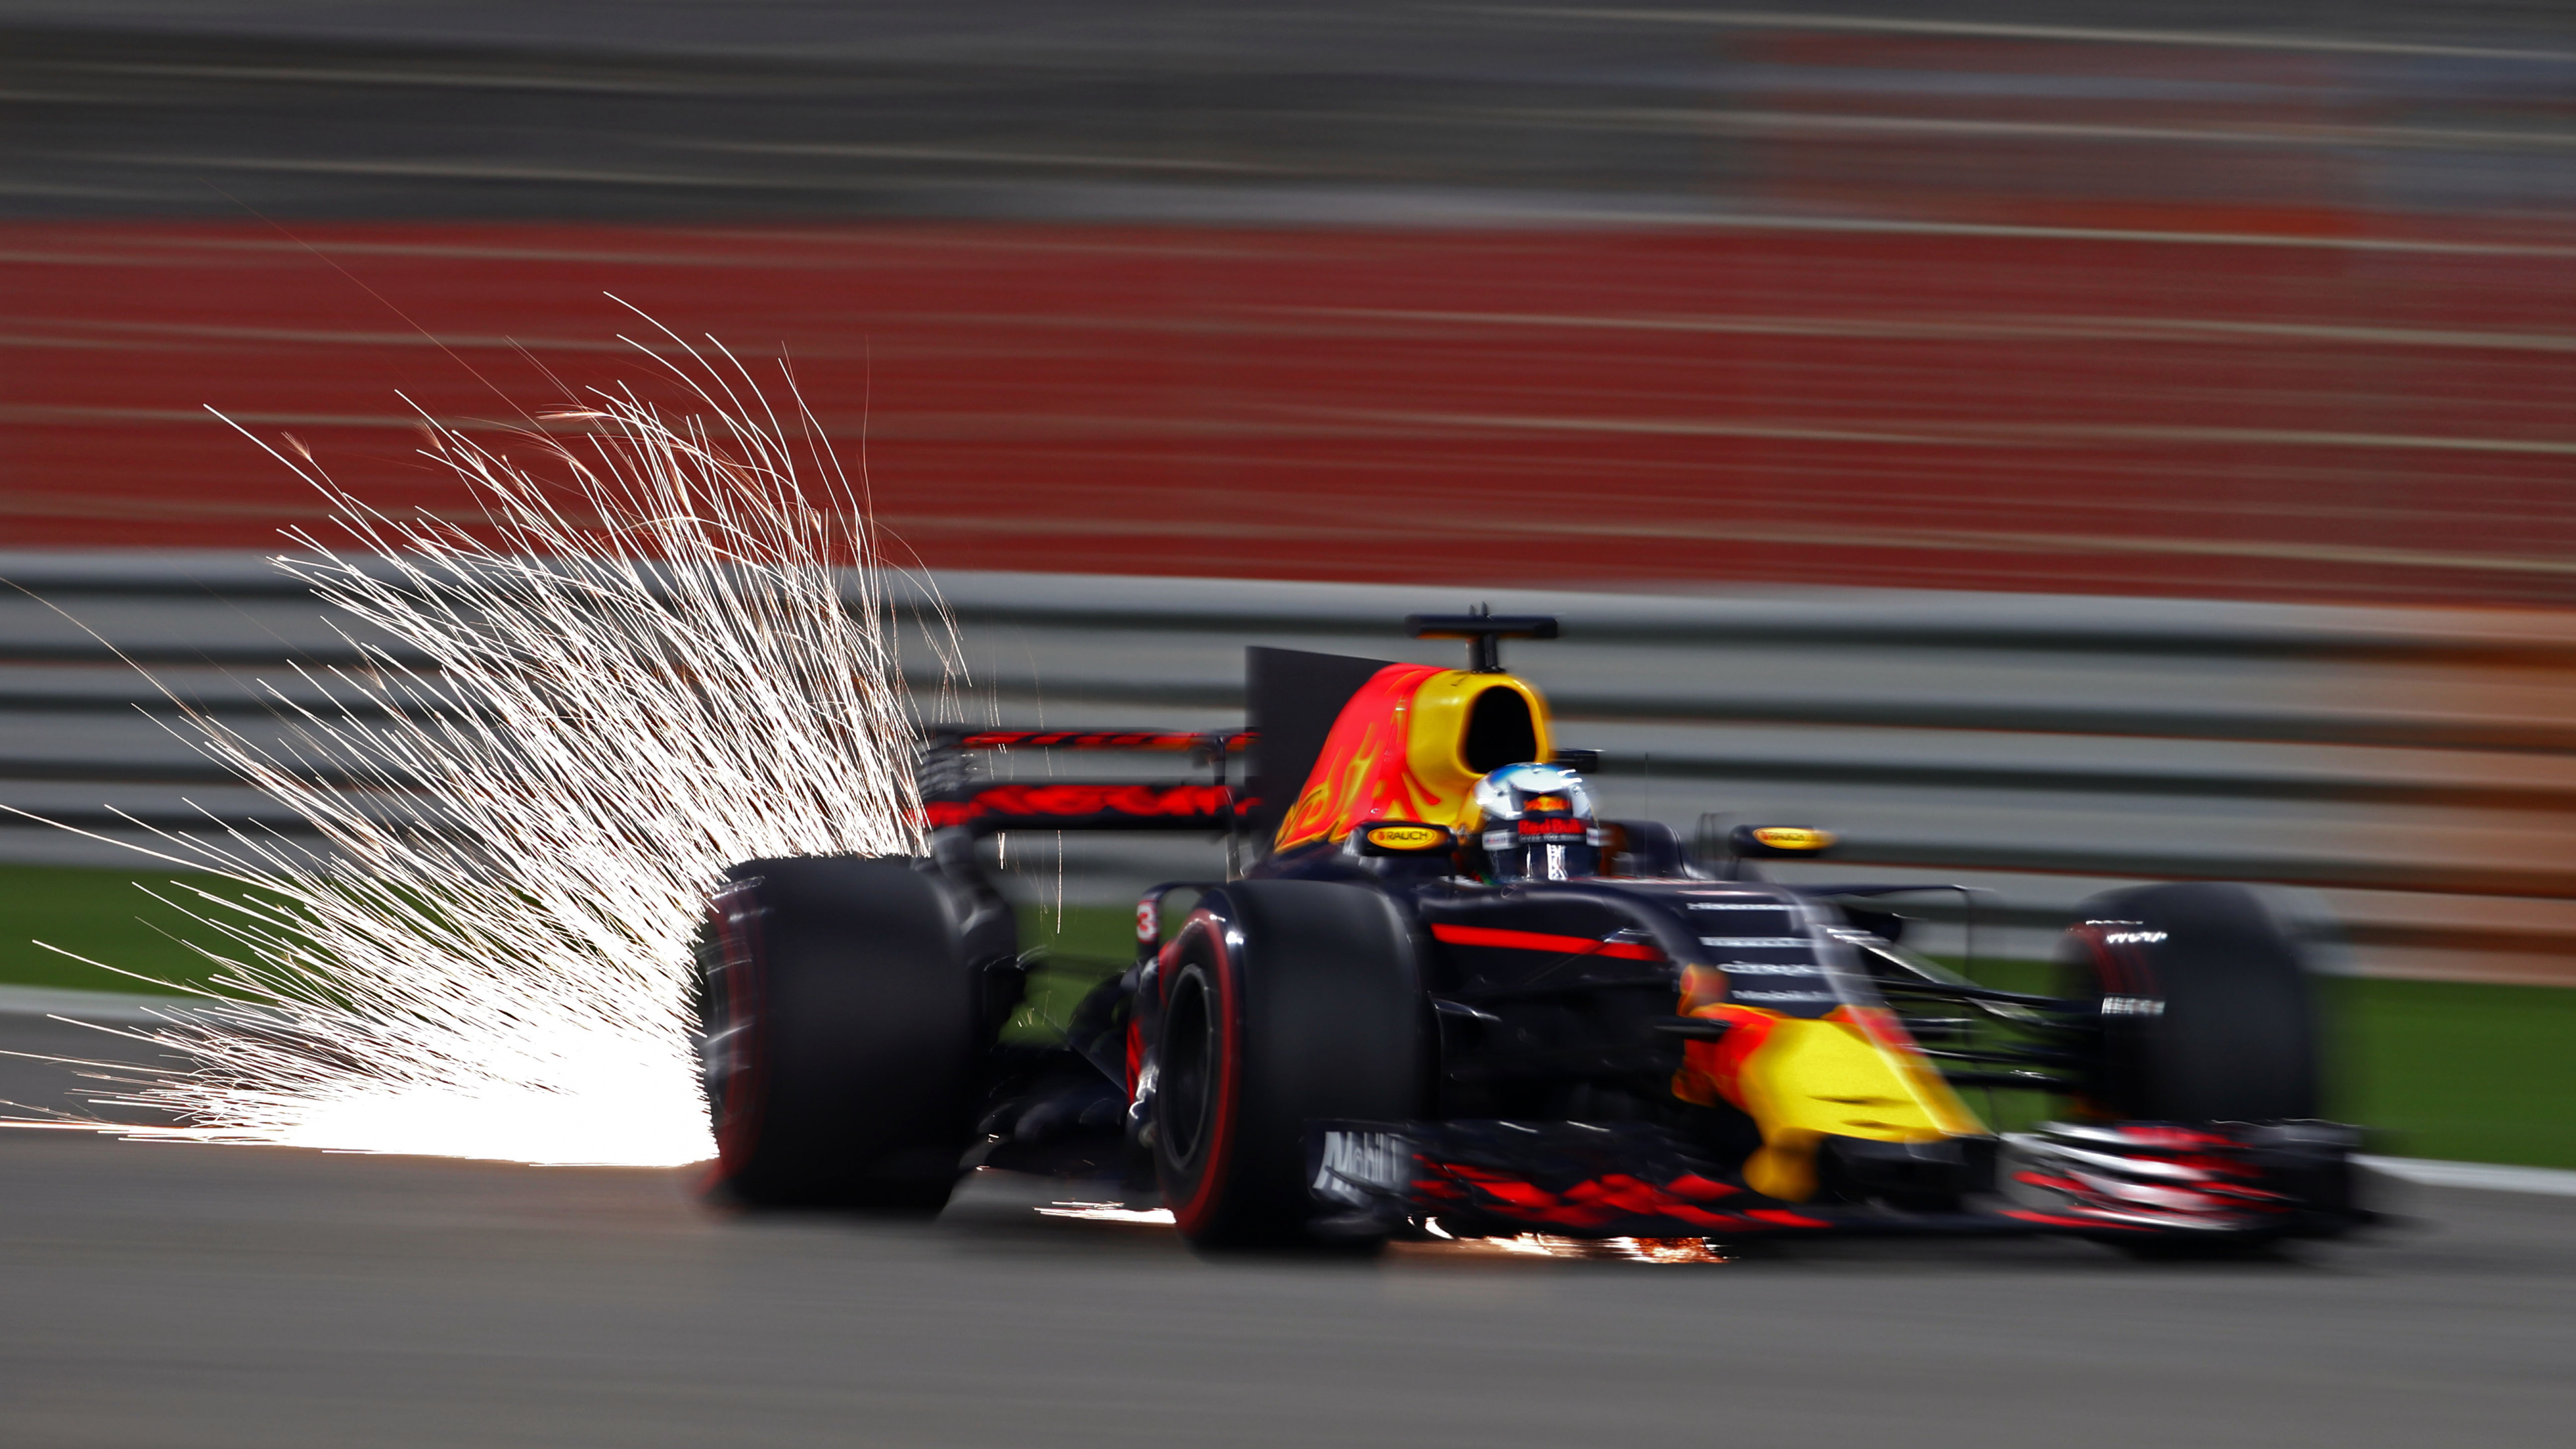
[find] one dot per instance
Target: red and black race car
(1441, 997)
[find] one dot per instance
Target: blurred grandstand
(2267, 300)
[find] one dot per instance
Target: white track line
(2493, 1177)
(107, 1007)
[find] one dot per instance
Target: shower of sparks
(669, 655)
(1108, 1212)
(1659, 1252)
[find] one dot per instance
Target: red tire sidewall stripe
(1194, 1213)
(2122, 971)
(738, 1129)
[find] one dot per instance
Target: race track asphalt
(215, 1297)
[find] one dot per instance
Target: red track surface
(2060, 410)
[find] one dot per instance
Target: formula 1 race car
(1441, 997)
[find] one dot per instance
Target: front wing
(1495, 1178)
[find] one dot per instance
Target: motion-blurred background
(2053, 444)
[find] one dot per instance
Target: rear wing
(957, 795)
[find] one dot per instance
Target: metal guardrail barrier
(2412, 771)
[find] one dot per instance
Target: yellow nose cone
(1845, 1075)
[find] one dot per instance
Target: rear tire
(1282, 1002)
(838, 1032)
(2205, 1007)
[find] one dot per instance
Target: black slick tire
(839, 1027)
(1282, 1002)
(2205, 1007)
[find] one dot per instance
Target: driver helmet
(1533, 822)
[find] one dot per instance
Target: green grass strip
(2436, 1069)
(2458, 1070)
(105, 916)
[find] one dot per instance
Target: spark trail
(666, 649)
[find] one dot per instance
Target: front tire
(2204, 1005)
(838, 1030)
(1282, 1002)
